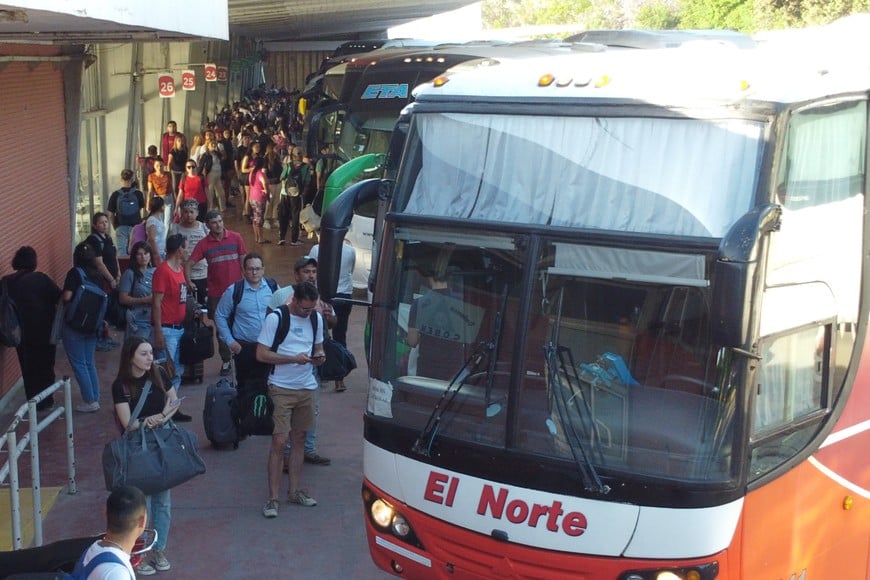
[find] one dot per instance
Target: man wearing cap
(224, 250)
(305, 270)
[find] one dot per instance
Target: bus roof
(687, 75)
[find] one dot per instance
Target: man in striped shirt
(224, 251)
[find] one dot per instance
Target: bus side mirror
(734, 272)
(333, 228)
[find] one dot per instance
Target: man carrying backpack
(109, 558)
(290, 340)
(239, 317)
(125, 210)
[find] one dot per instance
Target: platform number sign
(223, 74)
(166, 86)
(210, 73)
(188, 80)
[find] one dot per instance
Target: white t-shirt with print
(299, 338)
(109, 570)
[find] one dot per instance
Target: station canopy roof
(83, 21)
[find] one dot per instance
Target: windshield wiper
(576, 441)
(423, 444)
(493, 409)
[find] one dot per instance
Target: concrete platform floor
(218, 530)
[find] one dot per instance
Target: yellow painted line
(49, 496)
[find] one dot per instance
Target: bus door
(809, 311)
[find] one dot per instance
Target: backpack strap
(83, 571)
(283, 314)
(314, 322)
(238, 290)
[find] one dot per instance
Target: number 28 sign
(166, 86)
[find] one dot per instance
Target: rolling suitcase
(219, 415)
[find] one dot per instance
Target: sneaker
(145, 569)
(317, 459)
(302, 498)
(296, 243)
(226, 369)
(91, 407)
(270, 510)
(160, 561)
(282, 242)
(267, 225)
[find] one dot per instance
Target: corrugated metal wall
(34, 191)
(289, 69)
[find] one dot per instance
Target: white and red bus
(619, 322)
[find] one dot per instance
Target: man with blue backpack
(125, 210)
(109, 558)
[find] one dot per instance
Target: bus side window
(792, 388)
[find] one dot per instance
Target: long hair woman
(176, 161)
(134, 291)
(135, 369)
(259, 198)
(79, 346)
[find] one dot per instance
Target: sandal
(340, 387)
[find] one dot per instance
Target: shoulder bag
(153, 460)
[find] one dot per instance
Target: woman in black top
(135, 369)
(36, 296)
(105, 250)
(177, 160)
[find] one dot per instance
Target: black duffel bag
(197, 343)
(339, 361)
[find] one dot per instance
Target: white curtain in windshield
(667, 176)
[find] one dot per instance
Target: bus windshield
(612, 374)
(597, 172)
(363, 134)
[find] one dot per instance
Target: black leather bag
(153, 460)
(197, 343)
(339, 361)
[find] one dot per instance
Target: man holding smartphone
(292, 384)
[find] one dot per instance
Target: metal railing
(15, 448)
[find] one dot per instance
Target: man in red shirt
(169, 306)
(167, 141)
(224, 251)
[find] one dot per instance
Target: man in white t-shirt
(292, 385)
(125, 521)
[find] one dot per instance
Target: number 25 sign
(166, 86)
(188, 80)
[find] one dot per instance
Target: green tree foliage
(515, 13)
(657, 16)
(770, 14)
(733, 14)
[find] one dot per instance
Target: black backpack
(10, 325)
(87, 309)
(129, 213)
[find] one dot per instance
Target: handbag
(309, 219)
(153, 460)
(197, 343)
(339, 361)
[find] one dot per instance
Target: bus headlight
(387, 519)
(401, 527)
(382, 513)
(699, 572)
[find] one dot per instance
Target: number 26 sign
(166, 86)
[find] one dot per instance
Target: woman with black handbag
(138, 375)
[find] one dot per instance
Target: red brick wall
(34, 194)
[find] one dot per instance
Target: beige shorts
(294, 409)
